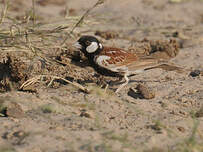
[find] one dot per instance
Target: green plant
(48, 108)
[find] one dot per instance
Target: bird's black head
(89, 45)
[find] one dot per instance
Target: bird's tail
(168, 67)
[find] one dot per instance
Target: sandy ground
(62, 118)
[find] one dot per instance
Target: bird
(115, 59)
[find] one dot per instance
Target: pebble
(145, 91)
(181, 129)
(195, 73)
(86, 114)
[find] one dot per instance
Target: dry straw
(28, 36)
(99, 2)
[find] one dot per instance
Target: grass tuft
(48, 108)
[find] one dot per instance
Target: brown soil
(13, 72)
(40, 111)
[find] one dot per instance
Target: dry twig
(99, 2)
(4, 11)
(53, 78)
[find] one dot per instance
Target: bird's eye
(87, 43)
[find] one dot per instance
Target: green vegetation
(48, 108)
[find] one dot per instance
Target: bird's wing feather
(142, 64)
(117, 60)
(104, 61)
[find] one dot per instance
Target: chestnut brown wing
(115, 59)
(118, 56)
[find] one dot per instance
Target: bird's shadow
(135, 95)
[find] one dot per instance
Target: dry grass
(35, 38)
(40, 78)
(31, 35)
(99, 2)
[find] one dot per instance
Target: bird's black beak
(77, 45)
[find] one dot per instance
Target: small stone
(182, 112)
(145, 91)
(19, 134)
(195, 73)
(181, 129)
(163, 104)
(86, 114)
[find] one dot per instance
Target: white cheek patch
(92, 47)
(100, 46)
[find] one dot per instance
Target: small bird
(114, 59)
